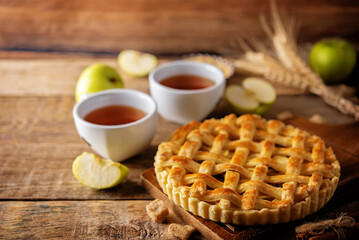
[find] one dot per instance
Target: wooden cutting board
(344, 139)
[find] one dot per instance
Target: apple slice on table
(136, 63)
(254, 96)
(97, 77)
(96, 172)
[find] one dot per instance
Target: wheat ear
(286, 66)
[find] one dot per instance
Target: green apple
(97, 77)
(136, 63)
(333, 59)
(254, 96)
(96, 172)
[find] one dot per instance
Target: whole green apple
(97, 77)
(333, 59)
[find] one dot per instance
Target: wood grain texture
(51, 77)
(44, 46)
(39, 142)
(58, 76)
(81, 220)
(161, 26)
(37, 75)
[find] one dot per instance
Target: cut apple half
(136, 63)
(254, 96)
(96, 172)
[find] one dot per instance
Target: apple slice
(96, 172)
(254, 96)
(135, 63)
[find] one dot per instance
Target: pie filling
(246, 170)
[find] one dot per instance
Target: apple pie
(246, 170)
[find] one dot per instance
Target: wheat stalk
(283, 64)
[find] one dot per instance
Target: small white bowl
(117, 142)
(182, 106)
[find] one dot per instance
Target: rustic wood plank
(81, 220)
(58, 76)
(160, 26)
(30, 55)
(51, 77)
(47, 74)
(39, 142)
(38, 75)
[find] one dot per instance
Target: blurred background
(162, 27)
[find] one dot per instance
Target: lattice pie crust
(246, 170)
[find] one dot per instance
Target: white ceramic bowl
(117, 142)
(182, 106)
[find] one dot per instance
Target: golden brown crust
(246, 170)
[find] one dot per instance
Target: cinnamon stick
(349, 233)
(334, 232)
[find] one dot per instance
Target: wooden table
(40, 197)
(44, 46)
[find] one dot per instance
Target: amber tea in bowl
(114, 115)
(116, 123)
(186, 90)
(187, 82)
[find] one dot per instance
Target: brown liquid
(187, 82)
(114, 115)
